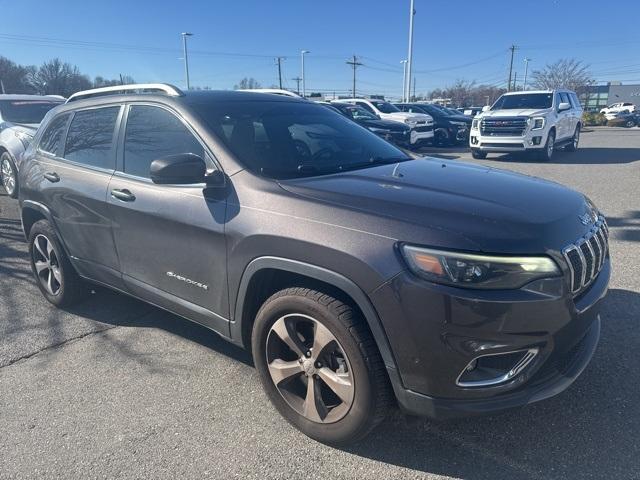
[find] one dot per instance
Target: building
(600, 96)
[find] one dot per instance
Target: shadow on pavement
(589, 431)
(626, 227)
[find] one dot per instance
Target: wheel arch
(32, 212)
(266, 275)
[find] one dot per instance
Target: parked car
(621, 107)
(536, 122)
(449, 129)
(396, 132)
(470, 111)
(358, 276)
(421, 124)
(20, 116)
(624, 120)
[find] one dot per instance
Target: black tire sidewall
(356, 422)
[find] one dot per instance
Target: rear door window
(152, 133)
(90, 140)
(51, 140)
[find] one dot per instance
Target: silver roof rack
(133, 88)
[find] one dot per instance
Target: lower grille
(586, 257)
(423, 128)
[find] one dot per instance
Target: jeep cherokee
(357, 276)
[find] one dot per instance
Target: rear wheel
(477, 154)
(320, 366)
(56, 277)
(630, 123)
(9, 174)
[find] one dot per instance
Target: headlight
(410, 122)
(474, 124)
(459, 124)
(477, 271)
(379, 130)
(538, 123)
(25, 138)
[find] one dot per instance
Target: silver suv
(20, 116)
(533, 121)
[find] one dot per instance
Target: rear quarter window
(51, 140)
(90, 138)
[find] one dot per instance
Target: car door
(169, 238)
(76, 157)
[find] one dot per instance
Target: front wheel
(549, 148)
(320, 366)
(9, 174)
(478, 154)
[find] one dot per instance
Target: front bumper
(532, 140)
(435, 331)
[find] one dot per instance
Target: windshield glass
(385, 107)
(360, 113)
(293, 139)
(524, 101)
(25, 111)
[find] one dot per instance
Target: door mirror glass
(564, 106)
(181, 169)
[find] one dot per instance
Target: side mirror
(181, 169)
(486, 108)
(564, 106)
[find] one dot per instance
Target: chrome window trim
(519, 366)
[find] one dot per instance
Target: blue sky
(463, 39)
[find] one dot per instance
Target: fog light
(536, 140)
(494, 369)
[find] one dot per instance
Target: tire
(630, 124)
(54, 274)
(9, 174)
(547, 152)
(575, 140)
(289, 326)
(477, 154)
(441, 138)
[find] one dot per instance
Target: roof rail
(133, 88)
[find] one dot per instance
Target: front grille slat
(503, 126)
(586, 256)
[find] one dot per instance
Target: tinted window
(524, 101)
(51, 141)
(153, 133)
(365, 106)
(564, 98)
(295, 139)
(384, 107)
(90, 137)
(25, 111)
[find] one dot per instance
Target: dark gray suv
(358, 276)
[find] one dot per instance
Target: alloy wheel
(8, 177)
(550, 145)
(46, 263)
(576, 139)
(309, 368)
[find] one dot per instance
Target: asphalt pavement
(114, 388)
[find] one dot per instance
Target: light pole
(404, 78)
(304, 90)
(412, 12)
(526, 70)
(186, 58)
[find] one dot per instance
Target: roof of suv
(525, 92)
(25, 97)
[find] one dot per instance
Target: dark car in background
(625, 119)
(394, 132)
(449, 128)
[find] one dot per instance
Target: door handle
(124, 195)
(53, 177)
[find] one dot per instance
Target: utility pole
(304, 90)
(404, 79)
(513, 49)
(2, 86)
(279, 63)
(414, 88)
(355, 64)
(526, 70)
(412, 12)
(297, 80)
(186, 58)
(515, 81)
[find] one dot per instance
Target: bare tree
(464, 93)
(14, 77)
(56, 77)
(247, 84)
(565, 73)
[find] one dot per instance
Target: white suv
(421, 124)
(622, 107)
(533, 121)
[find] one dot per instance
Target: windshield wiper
(372, 162)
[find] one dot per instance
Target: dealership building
(599, 96)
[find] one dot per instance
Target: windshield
(25, 111)
(358, 113)
(524, 101)
(385, 107)
(294, 139)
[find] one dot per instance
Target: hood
(523, 112)
(386, 124)
(28, 128)
(447, 204)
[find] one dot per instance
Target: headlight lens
(538, 123)
(459, 124)
(474, 124)
(477, 271)
(410, 122)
